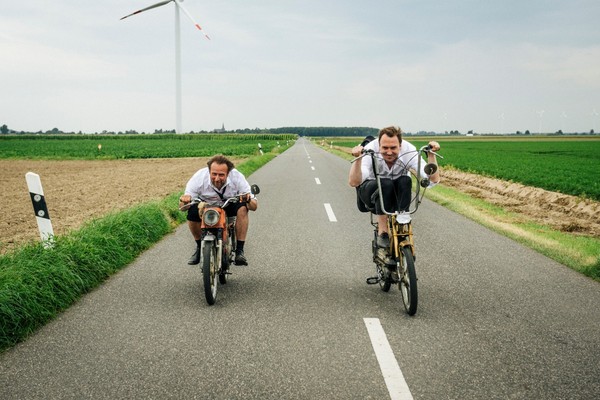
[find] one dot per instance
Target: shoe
(240, 259)
(383, 240)
(195, 258)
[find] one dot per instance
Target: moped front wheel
(408, 282)
(210, 271)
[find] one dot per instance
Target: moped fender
(209, 237)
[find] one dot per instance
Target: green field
(86, 147)
(569, 165)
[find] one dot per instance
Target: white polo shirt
(407, 160)
(200, 186)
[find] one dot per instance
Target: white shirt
(200, 186)
(407, 160)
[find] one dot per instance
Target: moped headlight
(210, 217)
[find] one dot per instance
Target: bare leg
(241, 223)
(195, 229)
(382, 224)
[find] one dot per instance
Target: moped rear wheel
(210, 271)
(408, 282)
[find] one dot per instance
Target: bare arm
(355, 176)
(435, 146)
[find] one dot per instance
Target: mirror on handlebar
(425, 182)
(254, 189)
(430, 169)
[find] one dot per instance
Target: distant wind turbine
(541, 113)
(178, 6)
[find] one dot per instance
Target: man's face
(218, 174)
(389, 147)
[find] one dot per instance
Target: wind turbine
(541, 113)
(178, 6)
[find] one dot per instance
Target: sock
(240, 245)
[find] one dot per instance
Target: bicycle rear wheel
(408, 282)
(210, 271)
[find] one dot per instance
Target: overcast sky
(486, 66)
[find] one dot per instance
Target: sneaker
(195, 258)
(240, 259)
(383, 240)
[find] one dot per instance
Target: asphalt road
(495, 320)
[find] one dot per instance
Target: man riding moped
(214, 184)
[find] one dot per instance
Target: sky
(487, 66)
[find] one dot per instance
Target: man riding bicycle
(214, 184)
(395, 160)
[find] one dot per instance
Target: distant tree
(527, 132)
(518, 132)
(4, 129)
(559, 132)
(591, 131)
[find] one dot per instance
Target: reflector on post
(40, 208)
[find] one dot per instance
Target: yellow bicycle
(396, 263)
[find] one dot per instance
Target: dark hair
(391, 131)
(221, 160)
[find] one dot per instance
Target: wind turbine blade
(191, 18)
(162, 3)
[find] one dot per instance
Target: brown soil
(77, 191)
(559, 211)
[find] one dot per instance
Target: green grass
(36, 284)
(565, 165)
(85, 147)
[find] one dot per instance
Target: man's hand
(245, 198)
(434, 146)
(185, 199)
(357, 150)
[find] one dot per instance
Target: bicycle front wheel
(408, 282)
(210, 271)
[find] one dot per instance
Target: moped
(217, 251)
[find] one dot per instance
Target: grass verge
(36, 284)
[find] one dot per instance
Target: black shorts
(231, 211)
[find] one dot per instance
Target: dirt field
(76, 191)
(79, 190)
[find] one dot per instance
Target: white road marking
(330, 213)
(394, 380)
(318, 181)
(310, 161)
(313, 168)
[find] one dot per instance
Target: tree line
(302, 131)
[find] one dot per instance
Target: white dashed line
(313, 168)
(330, 213)
(394, 380)
(318, 181)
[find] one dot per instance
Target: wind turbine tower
(178, 6)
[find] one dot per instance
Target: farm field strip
(93, 147)
(568, 166)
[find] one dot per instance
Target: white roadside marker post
(40, 209)
(260, 149)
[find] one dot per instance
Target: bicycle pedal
(373, 280)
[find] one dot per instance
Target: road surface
(495, 320)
